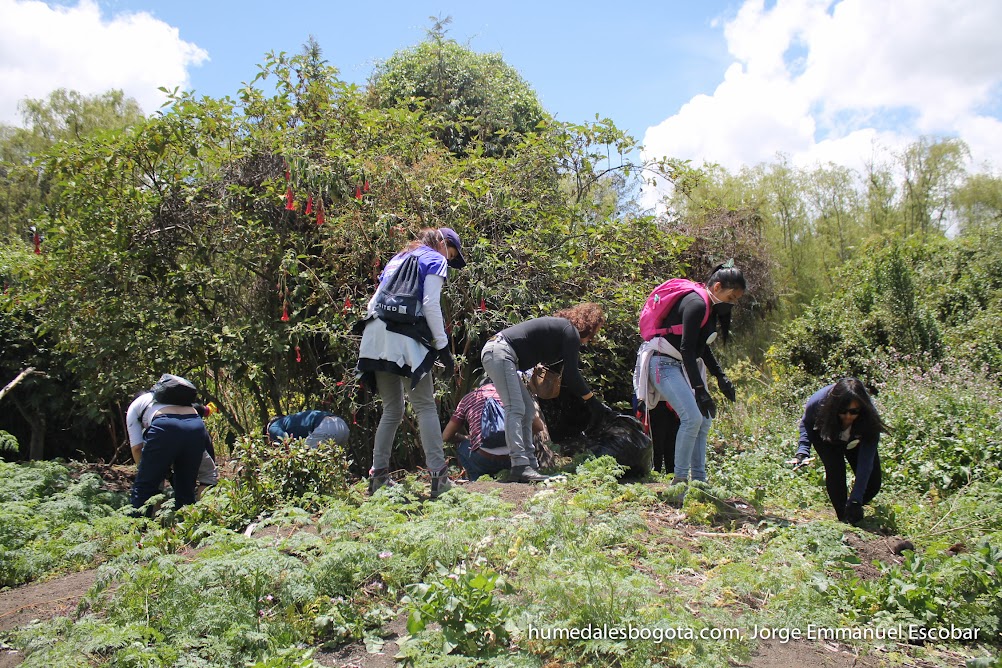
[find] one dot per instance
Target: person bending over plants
(403, 334)
(678, 323)
(842, 424)
(554, 342)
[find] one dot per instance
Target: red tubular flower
(309, 205)
(37, 238)
(365, 186)
(347, 304)
(299, 355)
(320, 212)
(285, 311)
(290, 201)
(483, 305)
(358, 192)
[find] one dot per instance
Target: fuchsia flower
(347, 304)
(299, 355)
(358, 192)
(309, 205)
(37, 238)
(285, 311)
(365, 186)
(483, 305)
(320, 212)
(290, 201)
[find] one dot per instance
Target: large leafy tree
(475, 100)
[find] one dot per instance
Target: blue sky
(735, 82)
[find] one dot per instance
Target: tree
(932, 169)
(64, 115)
(475, 99)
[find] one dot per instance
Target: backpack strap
(702, 292)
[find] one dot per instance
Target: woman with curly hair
(555, 342)
(842, 424)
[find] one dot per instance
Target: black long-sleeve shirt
(549, 341)
(689, 312)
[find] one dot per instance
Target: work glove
(727, 387)
(600, 413)
(854, 512)
(445, 357)
(705, 402)
(799, 460)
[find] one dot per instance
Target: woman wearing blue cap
(403, 335)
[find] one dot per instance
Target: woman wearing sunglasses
(842, 424)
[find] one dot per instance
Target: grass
(326, 567)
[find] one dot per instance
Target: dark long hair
(729, 277)
(868, 424)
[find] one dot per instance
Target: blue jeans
(501, 364)
(176, 441)
(478, 463)
(669, 377)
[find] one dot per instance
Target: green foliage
(8, 443)
(937, 590)
(50, 522)
(270, 476)
(464, 603)
(474, 101)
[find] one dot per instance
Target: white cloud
(45, 47)
(824, 80)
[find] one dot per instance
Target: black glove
(853, 512)
(445, 357)
(599, 412)
(705, 402)
(726, 387)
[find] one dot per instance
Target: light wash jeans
(391, 390)
(501, 364)
(668, 376)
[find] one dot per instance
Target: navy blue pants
(171, 442)
(478, 463)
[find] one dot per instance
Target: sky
(731, 82)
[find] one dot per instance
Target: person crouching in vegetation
(403, 335)
(842, 424)
(555, 342)
(672, 365)
(167, 435)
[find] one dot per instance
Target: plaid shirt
(471, 409)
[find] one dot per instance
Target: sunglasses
(850, 411)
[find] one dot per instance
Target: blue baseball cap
(453, 240)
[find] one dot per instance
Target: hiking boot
(440, 483)
(526, 473)
(379, 478)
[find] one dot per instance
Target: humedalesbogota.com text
(660, 634)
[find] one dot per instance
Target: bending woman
(842, 424)
(397, 356)
(674, 366)
(551, 341)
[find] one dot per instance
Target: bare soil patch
(40, 601)
(879, 549)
